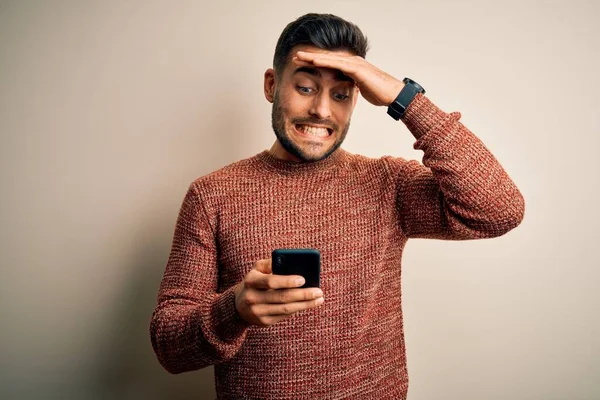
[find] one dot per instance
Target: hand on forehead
(313, 60)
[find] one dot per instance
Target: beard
(278, 123)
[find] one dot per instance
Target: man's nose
(321, 106)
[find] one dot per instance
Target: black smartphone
(304, 262)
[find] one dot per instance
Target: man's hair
(325, 31)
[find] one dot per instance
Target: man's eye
(340, 97)
(304, 89)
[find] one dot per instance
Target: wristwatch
(398, 107)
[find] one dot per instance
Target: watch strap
(398, 107)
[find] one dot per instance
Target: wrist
(236, 297)
(395, 90)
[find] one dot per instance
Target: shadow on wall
(126, 366)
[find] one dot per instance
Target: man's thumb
(264, 266)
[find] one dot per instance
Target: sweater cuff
(228, 325)
(422, 116)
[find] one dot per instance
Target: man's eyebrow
(339, 75)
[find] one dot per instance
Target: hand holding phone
(264, 298)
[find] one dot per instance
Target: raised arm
(460, 191)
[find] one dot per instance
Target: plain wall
(109, 109)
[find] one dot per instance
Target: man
(219, 302)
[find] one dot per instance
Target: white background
(108, 110)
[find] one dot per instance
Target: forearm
(466, 187)
(188, 336)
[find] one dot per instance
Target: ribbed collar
(286, 167)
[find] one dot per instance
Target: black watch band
(398, 107)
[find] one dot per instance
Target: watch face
(415, 84)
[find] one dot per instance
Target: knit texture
(359, 212)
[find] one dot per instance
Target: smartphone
(304, 262)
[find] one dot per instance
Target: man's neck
(278, 151)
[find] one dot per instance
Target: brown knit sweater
(359, 212)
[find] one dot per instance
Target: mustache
(315, 121)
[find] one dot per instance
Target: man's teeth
(311, 130)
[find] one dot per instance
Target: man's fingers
(258, 280)
(300, 62)
(310, 56)
(347, 68)
(261, 277)
(287, 308)
(291, 295)
(347, 64)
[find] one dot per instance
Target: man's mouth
(314, 130)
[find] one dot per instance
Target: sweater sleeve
(194, 326)
(460, 191)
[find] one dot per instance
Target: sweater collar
(336, 159)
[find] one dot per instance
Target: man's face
(311, 108)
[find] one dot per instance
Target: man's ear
(270, 85)
(356, 96)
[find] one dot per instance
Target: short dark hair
(325, 31)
